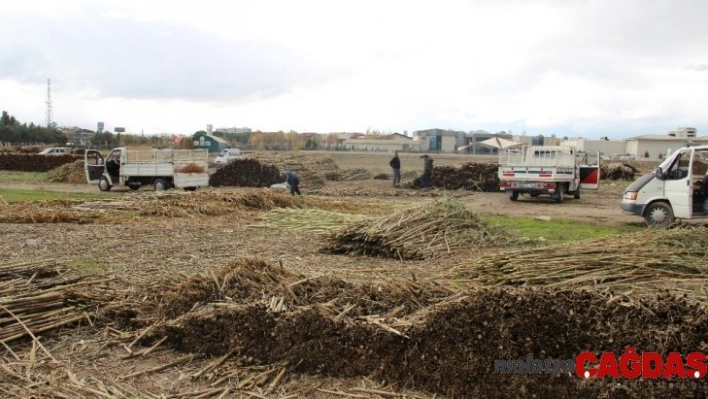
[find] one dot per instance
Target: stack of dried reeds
(35, 298)
(314, 169)
(309, 219)
(649, 261)
(617, 171)
(246, 173)
(357, 174)
(72, 173)
(50, 211)
(190, 168)
(34, 162)
(258, 311)
(472, 176)
(436, 229)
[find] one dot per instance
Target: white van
(228, 154)
(677, 189)
(54, 151)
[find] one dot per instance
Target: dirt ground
(143, 250)
(600, 206)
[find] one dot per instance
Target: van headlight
(630, 195)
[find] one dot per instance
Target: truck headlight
(630, 195)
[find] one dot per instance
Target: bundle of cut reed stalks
(35, 298)
(648, 261)
(427, 231)
(314, 220)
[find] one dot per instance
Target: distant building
(605, 147)
(684, 132)
(439, 140)
(78, 136)
(379, 143)
(234, 129)
(473, 139)
(211, 143)
(656, 144)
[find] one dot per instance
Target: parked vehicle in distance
(550, 170)
(54, 151)
(228, 154)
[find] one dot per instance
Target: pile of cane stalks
(436, 229)
(649, 261)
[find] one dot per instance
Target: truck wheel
(514, 195)
(160, 184)
(659, 215)
(103, 184)
(576, 194)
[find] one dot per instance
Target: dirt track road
(595, 206)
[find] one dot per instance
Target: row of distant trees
(16, 133)
(12, 132)
(279, 141)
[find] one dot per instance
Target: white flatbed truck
(548, 170)
(162, 169)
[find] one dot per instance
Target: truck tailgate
(191, 180)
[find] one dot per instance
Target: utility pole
(49, 104)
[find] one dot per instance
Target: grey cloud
(699, 67)
(123, 58)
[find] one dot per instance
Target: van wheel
(160, 184)
(659, 215)
(103, 184)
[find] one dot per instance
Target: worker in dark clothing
(293, 181)
(396, 166)
(426, 179)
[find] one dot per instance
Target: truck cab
(676, 189)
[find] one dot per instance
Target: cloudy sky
(614, 68)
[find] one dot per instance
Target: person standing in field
(396, 166)
(426, 179)
(293, 181)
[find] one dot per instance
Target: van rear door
(590, 171)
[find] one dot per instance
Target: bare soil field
(233, 293)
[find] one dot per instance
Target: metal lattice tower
(49, 104)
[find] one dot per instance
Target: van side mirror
(659, 173)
